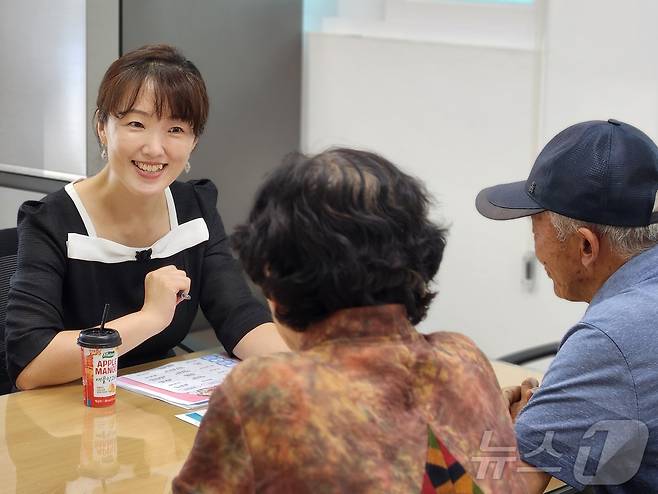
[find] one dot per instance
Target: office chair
(530, 354)
(8, 249)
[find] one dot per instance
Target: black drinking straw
(107, 307)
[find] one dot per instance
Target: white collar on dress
(90, 247)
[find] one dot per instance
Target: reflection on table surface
(51, 442)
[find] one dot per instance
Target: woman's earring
(188, 167)
(104, 153)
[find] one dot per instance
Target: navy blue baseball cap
(597, 172)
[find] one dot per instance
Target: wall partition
(51, 54)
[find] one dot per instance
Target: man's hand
(517, 396)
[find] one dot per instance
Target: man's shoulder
(627, 304)
(590, 361)
(637, 304)
(627, 320)
(588, 345)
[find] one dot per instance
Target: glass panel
(316, 10)
(42, 88)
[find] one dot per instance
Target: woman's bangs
(120, 95)
(175, 96)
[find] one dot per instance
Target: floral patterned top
(351, 412)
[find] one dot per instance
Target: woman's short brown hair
(178, 88)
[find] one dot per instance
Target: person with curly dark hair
(343, 229)
(343, 248)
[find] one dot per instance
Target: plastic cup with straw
(98, 347)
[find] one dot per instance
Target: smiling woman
(152, 107)
(83, 246)
(140, 144)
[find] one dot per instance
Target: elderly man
(592, 197)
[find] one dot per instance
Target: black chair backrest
(533, 353)
(8, 249)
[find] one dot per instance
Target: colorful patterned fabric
(349, 413)
(444, 474)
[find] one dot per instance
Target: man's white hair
(625, 241)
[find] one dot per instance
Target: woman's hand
(161, 288)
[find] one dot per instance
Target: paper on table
(194, 417)
(187, 383)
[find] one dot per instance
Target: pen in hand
(183, 296)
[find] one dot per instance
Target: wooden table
(512, 375)
(50, 442)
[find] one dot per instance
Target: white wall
(601, 62)
(460, 118)
(463, 107)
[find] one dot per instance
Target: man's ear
(589, 246)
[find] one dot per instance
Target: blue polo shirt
(594, 419)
